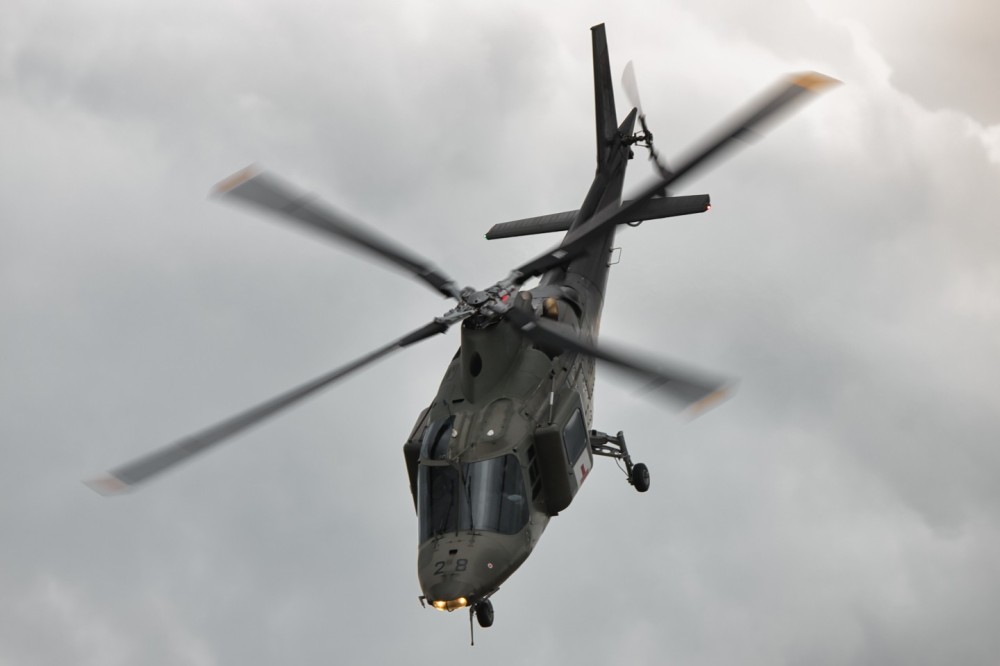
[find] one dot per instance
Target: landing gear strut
(603, 444)
(484, 616)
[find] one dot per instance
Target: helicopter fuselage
(505, 444)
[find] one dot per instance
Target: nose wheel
(484, 613)
(603, 444)
(639, 477)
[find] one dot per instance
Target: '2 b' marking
(460, 566)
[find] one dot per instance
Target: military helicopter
(507, 442)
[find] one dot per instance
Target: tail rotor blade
(631, 88)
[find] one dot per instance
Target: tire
(484, 613)
(640, 477)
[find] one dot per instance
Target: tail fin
(604, 97)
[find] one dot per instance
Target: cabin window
(575, 437)
(534, 476)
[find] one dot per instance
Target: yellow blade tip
(709, 401)
(108, 485)
(814, 81)
(237, 179)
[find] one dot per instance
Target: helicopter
(507, 442)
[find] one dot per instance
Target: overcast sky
(843, 507)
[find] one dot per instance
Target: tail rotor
(645, 138)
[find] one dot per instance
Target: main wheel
(484, 613)
(640, 477)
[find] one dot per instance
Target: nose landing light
(449, 606)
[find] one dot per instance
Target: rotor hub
(479, 298)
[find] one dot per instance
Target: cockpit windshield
(489, 496)
(496, 495)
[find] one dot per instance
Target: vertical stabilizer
(604, 97)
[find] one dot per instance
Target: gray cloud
(942, 55)
(840, 509)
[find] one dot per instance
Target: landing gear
(639, 477)
(484, 613)
(603, 444)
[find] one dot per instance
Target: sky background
(843, 507)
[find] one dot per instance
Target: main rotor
(481, 307)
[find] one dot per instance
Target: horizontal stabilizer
(651, 209)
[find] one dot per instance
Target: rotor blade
(631, 87)
(125, 477)
(576, 242)
(749, 124)
(266, 191)
(745, 126)
(688, 389)
(660, 167)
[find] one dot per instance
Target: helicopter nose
(460, 570)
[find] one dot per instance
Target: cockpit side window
(435, 444)
(437, 504)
